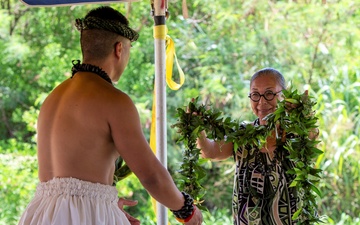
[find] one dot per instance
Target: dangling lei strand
(78, 66)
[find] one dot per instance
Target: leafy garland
(122, 170)
(299, 121)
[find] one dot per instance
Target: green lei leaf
(299, 121)
(121, 170)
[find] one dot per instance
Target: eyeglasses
(268, 95)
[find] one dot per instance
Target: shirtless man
(84, 125)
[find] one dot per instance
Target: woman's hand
(314, 133)
(292, 105)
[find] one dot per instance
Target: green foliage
(338, 110)
(15, 195)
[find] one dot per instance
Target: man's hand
(197, 218)
(121, 203)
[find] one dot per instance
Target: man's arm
(131, 144)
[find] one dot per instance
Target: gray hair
(270, 72)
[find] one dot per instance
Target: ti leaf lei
(294, 115)
(122, 170)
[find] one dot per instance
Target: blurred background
(219, 45)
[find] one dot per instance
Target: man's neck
(104, 65)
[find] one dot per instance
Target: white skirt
(70, 201)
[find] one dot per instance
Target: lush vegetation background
(315, 44)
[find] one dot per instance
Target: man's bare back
(74, 138)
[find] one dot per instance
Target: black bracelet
(187, 209)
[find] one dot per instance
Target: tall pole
(159, 13)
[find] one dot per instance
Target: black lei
(81, 67)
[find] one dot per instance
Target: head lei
(89, 23)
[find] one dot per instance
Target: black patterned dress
(262, 195)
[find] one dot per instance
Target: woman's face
(262, 85)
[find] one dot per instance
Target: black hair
(96, 44)
(108, 13)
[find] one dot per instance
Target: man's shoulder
(120, 96)
(117, 101)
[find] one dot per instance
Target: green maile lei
(300, 121)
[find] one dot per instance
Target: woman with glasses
(261, 194)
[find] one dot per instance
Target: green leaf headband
(117, 27)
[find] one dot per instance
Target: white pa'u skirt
(70, 201)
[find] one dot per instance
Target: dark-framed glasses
(268, 95)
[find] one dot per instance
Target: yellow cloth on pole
(170, 55)
(160, 32)
(153, 138)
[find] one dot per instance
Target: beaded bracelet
(188, 218)
(187, 211)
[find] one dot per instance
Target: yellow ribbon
(160, 32)
(170, 55)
